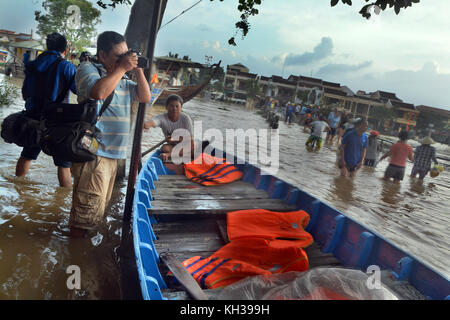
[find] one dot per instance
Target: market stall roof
(30, 44)
(180, 62)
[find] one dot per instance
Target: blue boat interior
(171, 213)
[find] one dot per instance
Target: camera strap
(105, 104)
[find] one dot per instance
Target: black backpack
(69, 130)
(23, 128)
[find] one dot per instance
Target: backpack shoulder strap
(63, 85)
(108, 100)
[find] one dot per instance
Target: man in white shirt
(170, 121)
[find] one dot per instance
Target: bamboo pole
(136, 151)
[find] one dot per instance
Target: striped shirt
(423, 156)
(114, 124)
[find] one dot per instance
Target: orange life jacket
(261, 242)
(216, 272)
(270, 225)
(245, 257)
(154, 78)
(211, 171)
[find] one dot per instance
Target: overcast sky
(408, 54)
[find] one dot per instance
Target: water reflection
(416, 186)
(390, 192)
(343, 189)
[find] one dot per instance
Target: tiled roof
(403, 105)
(281, 80)
(7, 31)
(443, 112)
(366, 98)
(238, 65)
(387, 95)
(334, 91)
(311, 79)
(330, 84)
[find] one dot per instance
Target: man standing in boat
(353, 149)
(170, 121)
(94, 180)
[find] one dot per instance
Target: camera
(142, 61)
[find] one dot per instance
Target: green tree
(253, 88)
(8, 93)
(382, 115)
(218, 86)
(302, 95)
(77, 26)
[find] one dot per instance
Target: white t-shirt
(168, 127)
(318, 127)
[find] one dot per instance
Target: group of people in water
(105, 76)
(99, 79)
(102, 77)
(356, 148)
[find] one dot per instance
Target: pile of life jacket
(208, 170)
(262, 242)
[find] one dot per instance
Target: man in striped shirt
(422, 158)
(94, 180)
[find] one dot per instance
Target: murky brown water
(35, 249)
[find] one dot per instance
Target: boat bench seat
(175, 197)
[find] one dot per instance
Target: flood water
(35, 248)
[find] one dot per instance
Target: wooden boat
(173, 214)
(187, 92)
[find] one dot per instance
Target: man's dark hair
(359, 122)
(85, 55)
(107, 40)
(403, 135)
(56, 42)
(174, 97)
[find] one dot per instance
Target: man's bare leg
(22, 166)
(64, 177)
(343, 171)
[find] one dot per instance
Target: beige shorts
(93, 182)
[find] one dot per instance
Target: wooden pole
(136, 151)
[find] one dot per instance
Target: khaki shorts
(93, 182)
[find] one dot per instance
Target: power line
(181, 14)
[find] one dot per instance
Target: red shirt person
(399, 152)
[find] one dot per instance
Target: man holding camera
(94, 180)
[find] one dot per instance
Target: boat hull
(352, 244)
